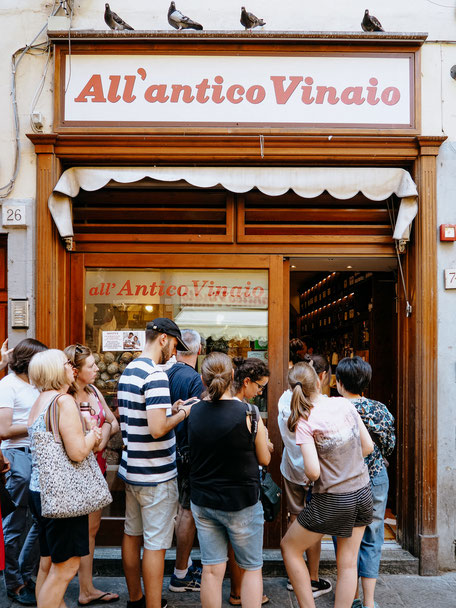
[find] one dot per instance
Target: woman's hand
(98, 436)
(5, 353)
(268, 441)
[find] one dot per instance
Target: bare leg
(368, 585)
(185, 535)
(312, 553)
(43, 571)
(131, 562)
(313, 560)
(87, 591)
(153, 567)
(56, 583)
(252, 588)
(211, 585)
(347, 568)
(235, 573)
(294, 543)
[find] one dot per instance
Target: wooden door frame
(417, 334)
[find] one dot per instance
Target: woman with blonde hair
(62, 541)
(83, 390)
(333, 442)
(225, 485)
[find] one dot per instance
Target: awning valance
(376, 183)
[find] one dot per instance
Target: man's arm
(8, 430)
(157, 397)
(160, 424)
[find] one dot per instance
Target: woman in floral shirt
(353, 376)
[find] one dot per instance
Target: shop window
(229, 309)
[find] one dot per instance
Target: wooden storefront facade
(243, 237)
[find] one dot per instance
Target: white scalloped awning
(376, 183)
(241, 324)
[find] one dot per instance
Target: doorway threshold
(395, 560)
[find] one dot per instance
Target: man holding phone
(185, 383)
(148, 464)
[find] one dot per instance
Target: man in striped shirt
(148, 464)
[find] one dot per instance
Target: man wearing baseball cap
(148, 464)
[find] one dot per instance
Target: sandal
(235, 600)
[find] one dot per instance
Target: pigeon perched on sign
(180, 21)
(371, 23)
(249, 20)
(114, 21)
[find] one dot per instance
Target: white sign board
(334, 90)
(124, 340)
(450, 278)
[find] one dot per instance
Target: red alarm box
(447, 232)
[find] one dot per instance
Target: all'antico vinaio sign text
(179, 287)
(358, 90)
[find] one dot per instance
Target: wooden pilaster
(51, 275)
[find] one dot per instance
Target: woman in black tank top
(225, 485)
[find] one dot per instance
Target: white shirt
(19, 396)
(292, 465)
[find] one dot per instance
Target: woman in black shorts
(62, 541)
(334, 442)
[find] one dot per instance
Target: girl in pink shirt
(333, 442)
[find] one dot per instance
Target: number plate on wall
(13, 215)
(450, 278)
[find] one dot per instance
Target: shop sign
(333, 90)
(245, 289)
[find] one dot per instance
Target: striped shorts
(338, 514)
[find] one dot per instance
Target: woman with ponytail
(333, 442)
(296, 484)
(225, 484)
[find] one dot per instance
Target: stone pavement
(393, 591)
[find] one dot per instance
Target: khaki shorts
(296, 496)
(150, 512)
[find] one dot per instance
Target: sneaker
(195, 571)
(289, 585)
(357, 603)
(164, 603)
(320, 587)
(141, 603)
(190, 582)
(26, 597)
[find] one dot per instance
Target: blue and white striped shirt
(145, 461)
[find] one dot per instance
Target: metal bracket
(69, 242)
(402, 245)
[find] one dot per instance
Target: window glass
(229, 308)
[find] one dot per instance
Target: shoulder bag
(270, 492)
(68, 488)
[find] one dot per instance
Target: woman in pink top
(334, 442)
(82, 389)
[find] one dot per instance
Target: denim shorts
(243, 529)
(150, 512)
(371, 545)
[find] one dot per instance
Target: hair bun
(238, 361)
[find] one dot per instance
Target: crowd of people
(193, 447)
